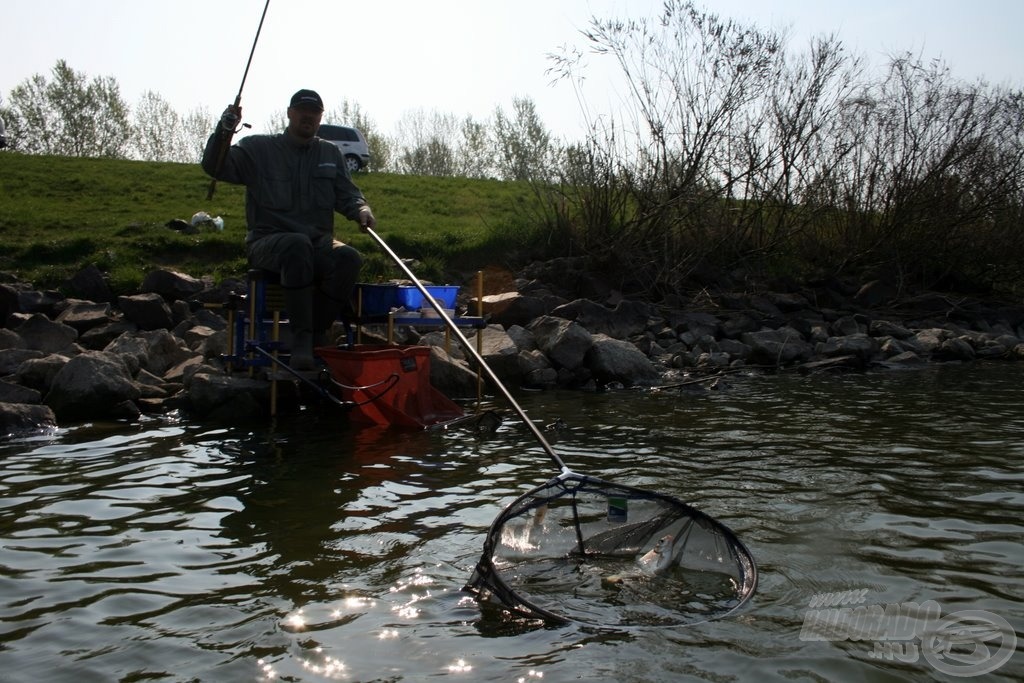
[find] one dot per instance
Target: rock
(532, 361)
(171, 285)
(776, 347)
(148, 311)
(928, 340)
(85, 315)
(39, 333)
(16, 393)
(98, 338)
(846, 326)
(565, 342)
(23, 417)
(154, 350)
(90, 284)
(523, 338)
(858, 345)
(92, 385)
(177, 372)
(736, 325)
(513, 308)
(38, 373)
(196, 336)
(735, 349)
(8, 303)
(615, 360)
(788, 302)
(228, 397)
(11, 359)
(450, 375)
(627, 319)
(33, 301)
(9, 339)
(954, 349)
(208, 318)
(499, 352)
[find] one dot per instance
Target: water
(308, 550)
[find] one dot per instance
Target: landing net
(579, 549)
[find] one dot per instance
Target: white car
(351, 143)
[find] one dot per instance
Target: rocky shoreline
(92, 356)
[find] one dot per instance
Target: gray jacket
(290, 187)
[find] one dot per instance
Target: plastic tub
(380, 299)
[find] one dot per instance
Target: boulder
(450, 375)
(85, 315)
(776, 347)
(228, 397)
(16, 393)
(513, 308)
(171, 285)
(9, 339)
(565, 342)
(23, 417)
(39, 333)
(92, 385)
(856, 345)
(90, 284)
(499, 352)
(734, 326)
(149, 311)
(628, 318)
(98, 338)
(954, 349)
(615, 360)
(11, 359)
(523, 338)
(38, 373)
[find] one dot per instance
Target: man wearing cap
(294, 183)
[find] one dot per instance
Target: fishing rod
(228, 131)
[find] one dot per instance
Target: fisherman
(294, 183)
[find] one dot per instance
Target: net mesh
(579, 549)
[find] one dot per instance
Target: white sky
(463, 57)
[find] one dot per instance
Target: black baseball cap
(307, 99)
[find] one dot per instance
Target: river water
(308, 550)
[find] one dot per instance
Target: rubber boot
(299, 305)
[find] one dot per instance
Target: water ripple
(309, 549)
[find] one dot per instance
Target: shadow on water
(312, 550)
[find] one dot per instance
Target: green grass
(60, 214)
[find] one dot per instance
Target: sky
(463, 57)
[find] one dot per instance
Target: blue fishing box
(380, 299)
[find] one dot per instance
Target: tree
(474, 157)
(69, 115)
(424, 143)
(523, 146)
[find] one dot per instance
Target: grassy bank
(59, 214)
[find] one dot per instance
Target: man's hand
(366, 219)
(230, 118)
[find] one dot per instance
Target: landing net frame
(588, 533)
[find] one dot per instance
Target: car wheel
(353, 163)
